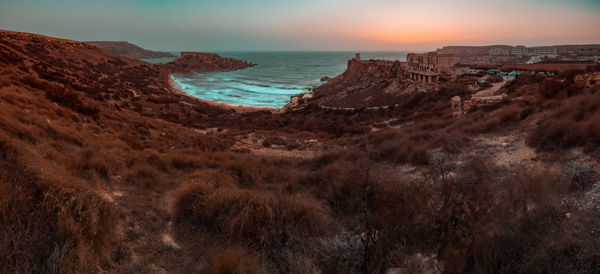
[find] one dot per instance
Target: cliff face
(127, 49)
(366, 84)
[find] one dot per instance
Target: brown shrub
(70, 99)
(510, 113)
(234, 260)
(144, 176)
(341, 184)
(419, 156)
(553, 135)
(4, 82)
(155, 159)
(262, 219)
(273, 140)
(186, 161)
(51, 227)
(569, 123)
(247, 172)
(87, 164)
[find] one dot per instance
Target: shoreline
(239, 109)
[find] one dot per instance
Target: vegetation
(116, 175)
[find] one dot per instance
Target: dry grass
(235, 260)
(49, 227)
(84, 191)
(576, 122)
(258, 218)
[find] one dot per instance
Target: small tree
(441, 164)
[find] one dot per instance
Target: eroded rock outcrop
(367, 84)
(588, 79)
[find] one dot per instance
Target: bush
(552, 135)
(52, 228)
(234, 260)
(144, 176)
(263, 219)
(573, 123)
(69, 99)
(340, 254)
(420, 157)
(580, 176)
(273, 140)
(247, 172)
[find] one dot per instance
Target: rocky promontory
(191, 62)
(366, 84)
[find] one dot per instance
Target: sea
(274, 80)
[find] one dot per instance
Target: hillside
(104, 167)
(366, 84)
(123, 48)
(470, 50)
(579, 50)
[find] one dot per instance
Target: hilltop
(123, 48)
(105, 167)
(588, 49)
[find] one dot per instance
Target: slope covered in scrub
(104, 167)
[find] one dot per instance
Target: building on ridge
(544, 51)
(498, 52)
(427, 67)
(520, 50)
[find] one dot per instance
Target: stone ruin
(484, 97)
(456, 103)
(429, 67)
(588, 80)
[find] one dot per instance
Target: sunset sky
(309, 24)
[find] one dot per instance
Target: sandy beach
(239, 109)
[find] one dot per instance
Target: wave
(234, 96)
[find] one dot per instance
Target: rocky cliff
(190, 62)
(367, 84)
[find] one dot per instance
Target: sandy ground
(240, 109)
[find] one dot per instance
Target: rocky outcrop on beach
(123, 48)
(191, 62)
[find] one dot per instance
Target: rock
(325, 79)
(484, 93)
(456, 106)
(588, 79)
(487, 100)
(191, 62)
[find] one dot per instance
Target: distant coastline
(123, 48)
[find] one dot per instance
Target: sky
(263, 25)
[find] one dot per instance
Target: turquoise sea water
(276, 77)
